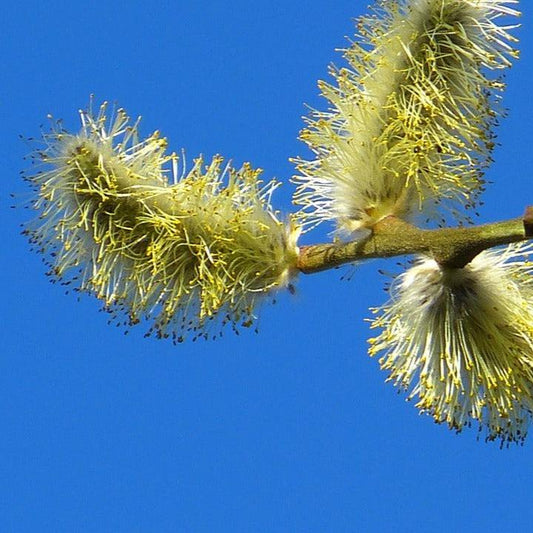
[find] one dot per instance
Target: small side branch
(391, 236)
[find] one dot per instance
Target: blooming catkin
(185, 255)
(409, 128)
(461, 341)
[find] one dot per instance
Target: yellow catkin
(461, 341)
(409, 128)
(189, 256)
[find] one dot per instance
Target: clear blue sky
(292, 429)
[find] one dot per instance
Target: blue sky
(291, 429)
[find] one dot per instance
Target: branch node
(528, 221)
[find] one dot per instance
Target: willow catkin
(409, 128)
(460, 340)
(188, 256)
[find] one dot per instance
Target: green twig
(391, 236)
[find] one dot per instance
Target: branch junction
(391, 236)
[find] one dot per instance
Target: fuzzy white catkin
(409, 127)
(188, 256)
(461, 341)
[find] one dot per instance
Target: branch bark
(391, 236)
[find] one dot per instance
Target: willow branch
(391, 236)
